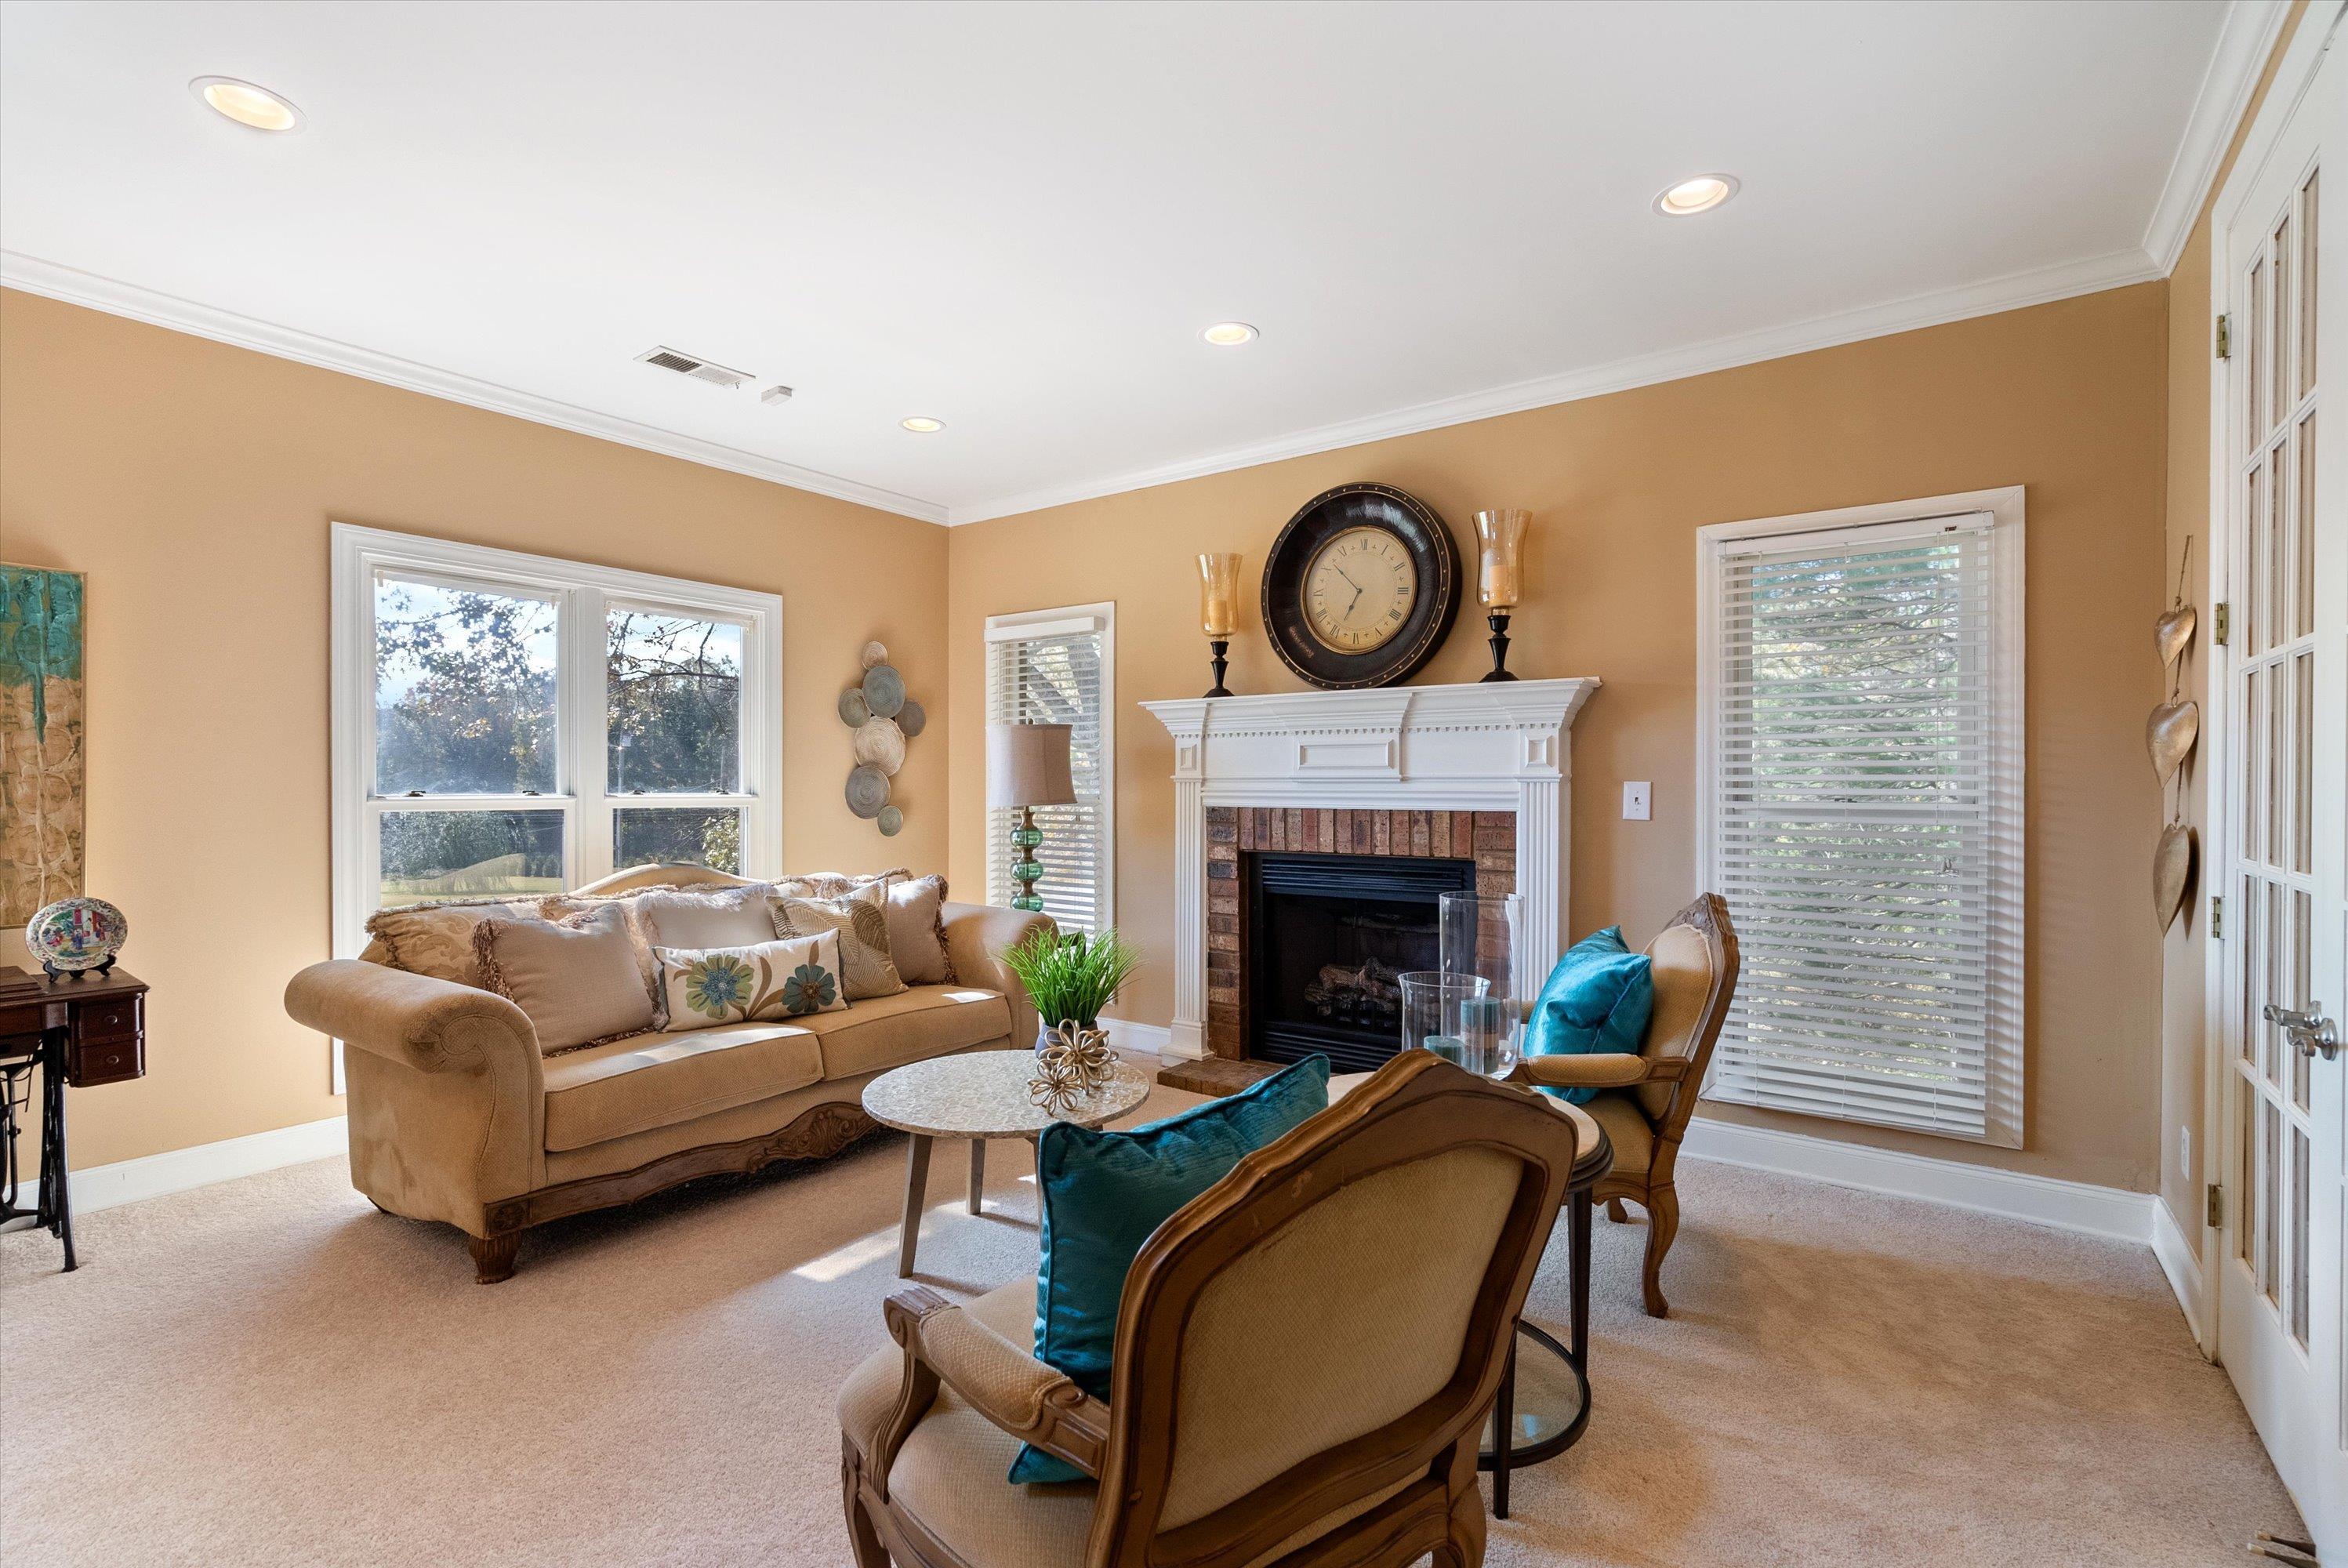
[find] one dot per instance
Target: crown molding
(2244, 41)
(2013, 292)
(73, 286)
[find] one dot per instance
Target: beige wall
(194, 482)
(2184, 949)
(2067, 399)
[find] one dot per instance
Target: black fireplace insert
(1328, 938)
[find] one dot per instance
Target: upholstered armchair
(1305, 1356)
(1644, 1100)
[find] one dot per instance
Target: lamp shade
(1027, 765)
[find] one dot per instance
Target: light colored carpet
(269, 1371)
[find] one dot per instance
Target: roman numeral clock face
(1359, 590)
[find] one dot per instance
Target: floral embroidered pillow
(768, 981)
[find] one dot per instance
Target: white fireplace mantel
(1502, 745)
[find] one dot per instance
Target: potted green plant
(1070, 977)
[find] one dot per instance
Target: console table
(77, 1032)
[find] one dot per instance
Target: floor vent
(699, 369)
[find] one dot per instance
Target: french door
(2282, 762)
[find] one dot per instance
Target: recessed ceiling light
(922, 425)
(1229, 333)
(1700, 194)
(257, 108)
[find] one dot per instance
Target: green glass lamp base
(1032, 902)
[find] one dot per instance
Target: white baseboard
(2180, 1260)
(1138, 1039)
(2040, 1200)
(177, 1170)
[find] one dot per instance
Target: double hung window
(1861, 702)
(515, 725)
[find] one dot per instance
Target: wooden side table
(71, 1032)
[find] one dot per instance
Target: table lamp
(1028, 767)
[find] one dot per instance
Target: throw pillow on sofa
(1103, 1193)
(437, 939)
(696, 917)
(1598, 999)
(788, 977)
(576, 978)
(862, 921)
(917, 933)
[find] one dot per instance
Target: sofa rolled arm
(432, 1026)
(1597, 1069)
(1001, 1381)
(977, 935)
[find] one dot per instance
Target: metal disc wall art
(876, 709)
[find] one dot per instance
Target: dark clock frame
(1433, 554)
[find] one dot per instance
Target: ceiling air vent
(699, 369)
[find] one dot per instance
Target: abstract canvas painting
(41, 779)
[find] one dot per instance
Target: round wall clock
(1361, 587)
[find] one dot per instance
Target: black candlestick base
(1499, 621)
(1219, 645)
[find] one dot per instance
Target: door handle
(2312, 1032)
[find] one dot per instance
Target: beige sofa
(455, 1115)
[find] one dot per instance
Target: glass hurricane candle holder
(1218, 588)
(1499, 577)
(1477, 938)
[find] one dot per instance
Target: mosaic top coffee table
(979, 1096)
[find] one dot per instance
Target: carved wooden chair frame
(1652, 1190)
(1416, 1107)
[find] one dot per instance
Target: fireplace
(1329, 936)
(1477, 773)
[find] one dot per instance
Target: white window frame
(582, 593)
(2006, 1064)
(1064, 621)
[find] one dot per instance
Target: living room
(615, 620)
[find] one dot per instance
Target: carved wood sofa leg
(1616, 1213)
(493, 1256)
(1663, 1223)
(863, 1541)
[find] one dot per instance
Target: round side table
(979, 1096)
(1544, 1400)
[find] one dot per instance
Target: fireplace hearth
(1329, 937)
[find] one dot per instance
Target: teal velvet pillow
(1598, 999)
(1103, 1193)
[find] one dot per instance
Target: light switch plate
(1638, 800)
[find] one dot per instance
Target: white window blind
(1864, 822)
(1052, 667)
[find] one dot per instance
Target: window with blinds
(1863, 818)
(1053, 667)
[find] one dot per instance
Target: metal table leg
(55, 1199)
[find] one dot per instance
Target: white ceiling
(1018, 218)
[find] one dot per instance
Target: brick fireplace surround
(1489, 838)
(1458, 772)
